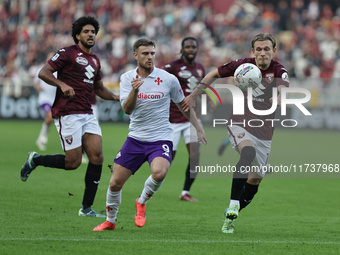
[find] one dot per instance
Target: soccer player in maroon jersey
(189, 73)
(79, 74)
(252, 143)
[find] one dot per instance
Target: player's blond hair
(263, 37)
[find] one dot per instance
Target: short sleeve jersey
(79, 70)
(149, 121)
(189, 77)
(274, 76)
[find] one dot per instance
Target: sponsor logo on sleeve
(285, 77)
(55, 57)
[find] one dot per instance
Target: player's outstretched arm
(104, 93)
(191, 116)
(190, 101)
(46, 74)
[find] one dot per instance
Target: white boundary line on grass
(170, 241)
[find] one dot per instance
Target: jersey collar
(151, 75)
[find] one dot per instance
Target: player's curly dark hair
(188, 38)
(78, 25)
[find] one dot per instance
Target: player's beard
(190, 59)
(147, 67)
(86, 45)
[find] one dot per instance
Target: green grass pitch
(287, 216)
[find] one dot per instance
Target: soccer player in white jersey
(145, 94)
(45, 101)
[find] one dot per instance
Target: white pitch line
(171, 241)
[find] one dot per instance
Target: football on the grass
(247, 76)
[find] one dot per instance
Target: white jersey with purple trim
(149, 121)
(47, 94)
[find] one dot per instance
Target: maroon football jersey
(274, 76)
(188, 77)
(79, 70)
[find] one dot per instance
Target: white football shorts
(238, 134)
(71, 129)
(185, 130)
(95, 111)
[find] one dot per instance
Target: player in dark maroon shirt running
(189, 73)
(252, 141)
(78, 76)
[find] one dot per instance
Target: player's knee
(159, 176)
(194, 155)
(194, 151)
(115, 185)
(254, 180)
(248, 153)
(159, 168)
(72, 164)
(97, 158)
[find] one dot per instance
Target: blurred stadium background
(301, 215)
(308, 34)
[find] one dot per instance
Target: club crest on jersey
(82, 61)
(95, 61)
(69, 139)
(269, 77)
(158, 81)
(200, 72)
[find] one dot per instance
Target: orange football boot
(107, 225)
(140, 216)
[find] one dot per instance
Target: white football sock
(43, 135)
(44, 129)
(113, 200)
(184, 192)
(150, 187)
(234, 202)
